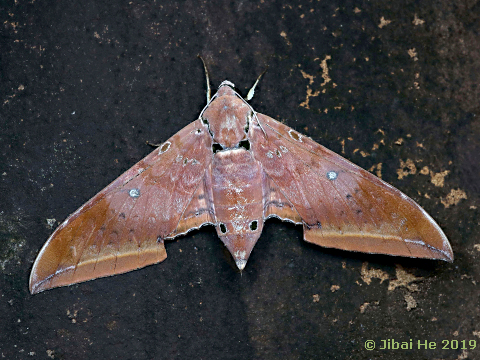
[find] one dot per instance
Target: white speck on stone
(51, 222)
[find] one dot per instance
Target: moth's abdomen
(237, 182)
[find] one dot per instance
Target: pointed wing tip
(447, 256)
(33, 285)
(37, 287)
(446, 252)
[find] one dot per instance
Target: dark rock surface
(391, 85)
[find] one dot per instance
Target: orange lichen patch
(308, 76)
(406, 168)
(334, 288)
(425, 170)
(310, 94)
(383, 22)
(438, 178)
(417, 21)
(411, 302)
(284, 35)
(413, 54)
(323, 65)
(453, 198)
(369, 274)
(378, 169)
(365, 305)
(404, 279)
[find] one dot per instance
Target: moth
(234, 168)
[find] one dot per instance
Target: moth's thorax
(228, 117)
(237, 192)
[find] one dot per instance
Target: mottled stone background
(391, 85)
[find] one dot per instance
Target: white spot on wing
(295, 136)
(332, 175)
(417, 242)
(164, 147)
(134, 193)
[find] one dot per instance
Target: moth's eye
(245, 144)
(332, 175)
(216, 147)
(205, 121)
(134, 193)
(223, 228)
(253, 225)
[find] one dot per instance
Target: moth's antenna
(209, 91)
(251, 92)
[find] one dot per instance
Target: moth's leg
(154, 145)
(209, 91)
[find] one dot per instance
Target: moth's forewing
(341, 205)
(122, 228)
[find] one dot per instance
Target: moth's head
(226, 83)
(228, 116)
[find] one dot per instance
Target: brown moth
(234, 168)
